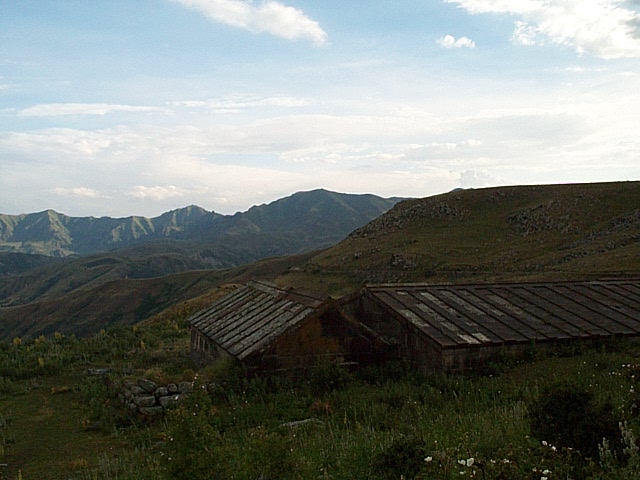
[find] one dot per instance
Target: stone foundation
(147, 398)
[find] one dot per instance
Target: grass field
(57, 422)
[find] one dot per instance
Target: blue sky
(137, 107)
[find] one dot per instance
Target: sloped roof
(249, 319)
(457, 316)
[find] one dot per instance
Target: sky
(136, 107)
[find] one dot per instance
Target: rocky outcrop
(147, 398)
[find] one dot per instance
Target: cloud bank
(268, 17)
(602, 28)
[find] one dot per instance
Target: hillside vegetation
(568, 413)
(100, 303)
(578, 231)
(389, 422)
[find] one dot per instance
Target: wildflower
(462, 462)
(546, 471)
(544, 442)
(470, 462)
(428, 459)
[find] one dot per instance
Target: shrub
(193, 449)
(569, 416)
(328, 377)
(402, 459)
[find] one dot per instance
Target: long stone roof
(249, 319)
(460, 316)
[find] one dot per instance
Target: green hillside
(527, 232)
(109, 300)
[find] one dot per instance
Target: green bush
(568, 416)
(328, 377)
(193, 445)
(402, 459)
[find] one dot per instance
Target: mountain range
(78, 274)
(301, 222)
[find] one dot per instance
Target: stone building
(270, 329)
(455, 327)
(433, 327)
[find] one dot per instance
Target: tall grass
(378, 423)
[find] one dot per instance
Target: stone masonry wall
(150, 399)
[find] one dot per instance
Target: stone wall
(150, 399)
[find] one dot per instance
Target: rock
(147, 385)
(136, 390)
(172, 388)
(145, 401)
(98, 372)
(169, 401)
(152, 411)
(161, 392)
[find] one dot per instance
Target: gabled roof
(466, 315)
(249, 319)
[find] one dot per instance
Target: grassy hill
(576, 231)
(89, 308)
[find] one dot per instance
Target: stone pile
(148, 398)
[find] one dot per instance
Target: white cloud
(603, 28)
(157, 193)
(238, 103)
(58, 109)
(267, 17)
(81, 192)
(389, 148)
(476, 178)
(449, 41)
